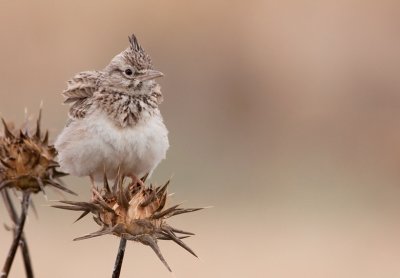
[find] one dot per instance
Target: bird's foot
(136, 180)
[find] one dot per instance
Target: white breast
(89, 145)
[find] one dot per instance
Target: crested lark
(114, 120)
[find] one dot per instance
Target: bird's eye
(128, 72)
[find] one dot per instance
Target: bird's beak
(149, 74)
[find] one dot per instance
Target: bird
(114, 124)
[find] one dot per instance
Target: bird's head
(131, 70)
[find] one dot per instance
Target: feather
(80, 91)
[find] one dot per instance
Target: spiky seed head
(27, 161)
(133, 211)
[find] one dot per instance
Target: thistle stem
(119, 259)
(26, 257)
(23, 243)
(17, 235)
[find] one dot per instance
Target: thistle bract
(133, 211)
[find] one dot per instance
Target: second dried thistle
(27, 161)
(133, 212)
(27, 164)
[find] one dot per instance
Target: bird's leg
(95, 191)
(135, 180)
(92, 182)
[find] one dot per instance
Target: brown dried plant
(27, 161)
(133, 211)
(27, 164)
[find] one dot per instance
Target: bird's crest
(135, 46)
(136, 55)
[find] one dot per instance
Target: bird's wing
(80, 91)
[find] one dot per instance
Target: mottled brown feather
(80, 91)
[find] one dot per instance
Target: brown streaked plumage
(114, 118)
(100, 89)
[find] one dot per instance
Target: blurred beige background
(283, 115)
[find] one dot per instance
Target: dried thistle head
(133, 212)
(27, 161)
